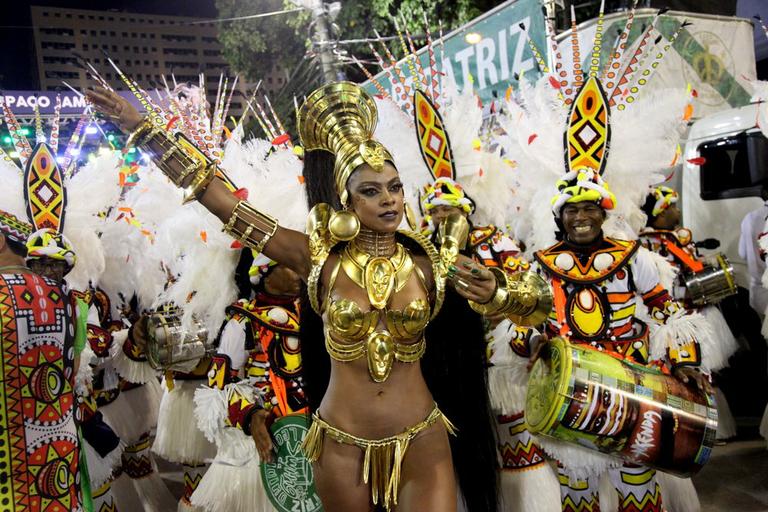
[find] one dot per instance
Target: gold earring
(410, 217)
(344, 225)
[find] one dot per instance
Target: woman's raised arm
(187, 167)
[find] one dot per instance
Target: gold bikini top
(352, 333)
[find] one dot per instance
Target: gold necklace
(374, 243)
(379, 276)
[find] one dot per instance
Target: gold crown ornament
(340, 118)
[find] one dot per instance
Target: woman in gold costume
(378, 438)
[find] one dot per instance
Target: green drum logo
(289, 481)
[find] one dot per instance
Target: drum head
(548, 387)
(289, 481)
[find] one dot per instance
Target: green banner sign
(490, 51)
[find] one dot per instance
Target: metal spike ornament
(434, 85)
(557, 57)
(535, 50)
(650, 69)
(594, 62)
(44, 192)
(578, 73)
(54, 141)
(20, 142)
(587, 136)
(614, 64)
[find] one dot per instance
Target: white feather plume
(132, 262)
(485, 176)
(12, 190)
(643, 143)
(91, 192)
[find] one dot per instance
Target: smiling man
(597, 281)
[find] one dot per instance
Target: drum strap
(685, 258)
(276, 381)
(560, 301)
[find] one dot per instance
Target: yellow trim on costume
(638, 478)
(619, 250)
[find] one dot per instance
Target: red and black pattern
(38, 442)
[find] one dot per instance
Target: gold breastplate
(348, 322)
(352, 333)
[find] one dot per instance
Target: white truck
(720, 190)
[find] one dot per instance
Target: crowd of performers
(282, 323)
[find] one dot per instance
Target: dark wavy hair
(453, 365)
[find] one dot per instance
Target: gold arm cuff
(200, 182)
(177, 158)
(524, 297)
(136, 136)
(250, 227)
(500, 296)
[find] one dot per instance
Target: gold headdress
(340, 118)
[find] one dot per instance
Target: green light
(24, 131)
(7, 139)
(132, 150)
(110, 137)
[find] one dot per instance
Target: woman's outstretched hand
(115, 107)
(472, 280)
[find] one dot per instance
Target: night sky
(17, 47)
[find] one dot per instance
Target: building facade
(146, 47)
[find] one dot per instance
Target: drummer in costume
(597, 281)
(52, 196)
(257, 375)
(525, 474)
(586, 250)
(664, 235)
(382, 442)
(50, 254)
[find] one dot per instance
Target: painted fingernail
(467, 264)
(453, 268)
(475, 271)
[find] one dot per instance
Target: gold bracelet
(524, 297)
(498, 300)
(185, 165)
(138, 133)
(196, 189)
(259, 227)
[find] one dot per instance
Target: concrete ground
(736, 478)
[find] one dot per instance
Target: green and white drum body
(639, 414)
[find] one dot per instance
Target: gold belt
(383, 457)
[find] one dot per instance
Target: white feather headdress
(644, 130)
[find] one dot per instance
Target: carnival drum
(289, 481)
(171, 346)
(580, 395)
(711, 284)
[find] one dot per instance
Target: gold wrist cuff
(137, 135)
(201, 180)
(250, 227)
(524, 297)
(500, 295)
(180, 160)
